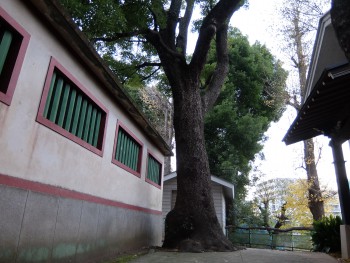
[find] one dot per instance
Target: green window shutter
(117, 150)
(153, 171)
(71, 104)
(56, 100)
(134, 157)
(76, 115)
(82, 119)
(49, 96)
(87, 123)
(5, 45)
(92, 127)
(97, 129)
(63, 107)
(127, 150)
(72, 110)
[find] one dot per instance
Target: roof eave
(229, 189)
(62, 23)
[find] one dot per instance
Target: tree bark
(315, 200)
(192, 225)
(340, 14)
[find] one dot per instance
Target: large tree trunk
(340, 13)
(192, 225)
(315, 200)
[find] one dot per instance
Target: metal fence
(259, 238)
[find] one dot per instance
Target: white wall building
(80, 166)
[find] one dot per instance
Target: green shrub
(326, 234)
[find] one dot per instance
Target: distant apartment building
(273, 192)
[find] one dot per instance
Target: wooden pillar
(342, 180)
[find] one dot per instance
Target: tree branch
(181, 41)
(319, 155)
(151, 74)
(118, 36)
(156, 39)
(221, 70)
(173, 18)
(217, 17)
(156, 27)
(148, 64)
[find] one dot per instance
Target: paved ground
(249, 255)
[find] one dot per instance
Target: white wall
(34, 152)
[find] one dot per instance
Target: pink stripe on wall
(57, 191)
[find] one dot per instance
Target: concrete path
(250, 255)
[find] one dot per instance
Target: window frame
(54, 64)
(133, 136)
(6, 97)
(149, 153)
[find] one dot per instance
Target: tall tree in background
(270, 198)
(147, 34)
(301, 19)
(297, 205)
(159, 110)
(252, 97)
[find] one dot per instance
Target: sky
(257, 22)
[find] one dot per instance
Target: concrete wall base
(345, 241)
(37, 227)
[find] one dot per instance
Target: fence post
(250, 245)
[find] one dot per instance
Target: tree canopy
(252, 97)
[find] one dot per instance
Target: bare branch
(294, 104)
(319, 155)
(148, 64)
(118, 36)
(151, 74)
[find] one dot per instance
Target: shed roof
(59, 20)
(229, 189)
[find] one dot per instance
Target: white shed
(223, 193)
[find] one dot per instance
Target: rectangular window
(127, 150)
(14, 41)
(154, 171)
(69, 109)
